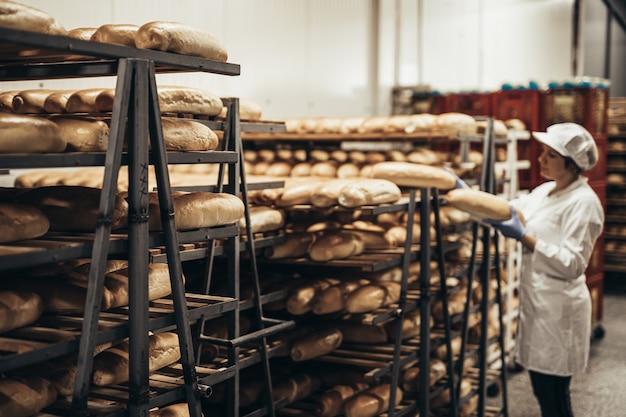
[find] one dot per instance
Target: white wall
(315, 57)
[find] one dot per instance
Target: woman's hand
(512, 228)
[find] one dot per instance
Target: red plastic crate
(587, 106)
(474, 104)
(517, 104)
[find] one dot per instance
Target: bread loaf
(411, 380)
(454, 123)
(83, 101)
(20, 222)
(332, 299)
(181, 39)
(368, 192)
(263, 219)
(324, 169)
(331, 402)
(121, 34)
(407, 174)
(198, 210)
(356, 332)
(410, 326)
(25, 396)
(18, 309)
(31, 101)
(83, 134)
(248, 110)
(295, 388)
(297, 192)
(370, 297)
(82, 33)
(480, 204)
(327, 193)
(315, 344)
(296, 245)
(279, 169)
(336, 245)
(111, 366)
(301, 169)
(301, 297)
(16, 15)
(23, 134)
(56, 102)
(187, 135)
(73, 208)
(6, 101)
(371, 402)
(348, 170)
(172, 410)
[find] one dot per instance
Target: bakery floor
(599, 391)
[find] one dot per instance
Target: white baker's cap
(573, 141)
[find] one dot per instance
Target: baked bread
(187, 135)
(368, 192)
(83, 134)
(83, 101)
(331, 402)
(18, 309)
(16, 15)
(6, 101)
(248, 110)
(120, 34)
(181, 39)
(336, 245)
(315, 344)
(56, 102)
(263, 219)
(407, 174)
(479, 204)
(82, 33)
(32, 101)
(25, 396)
(20, 222)
(24, 134)
(371, 402)
(111, 366)
(198, 209)
(72, 207)
(296, 245)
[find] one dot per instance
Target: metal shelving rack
(29, 55)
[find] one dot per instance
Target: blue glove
(459, 183)
(512, 227)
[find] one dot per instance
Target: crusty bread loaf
(407, 174)
(198, 209)
(411, 380)
(73, 208)
(336, 245)
(301, 169)
(327, 193)
(356, 332)
(480, 204)
(248, 110)
(348, 170)
(25, 396)
(315, 344)
(296, 245)
(20, 222)
(32, 101)
(82, 33)
(331, 402)
(371, 402)
(263, 219)
(117, 33)
(172, 410)
(23, 134)
(279, 169)
(111, 366)
(295, 388)
(83, 101)
(56, 102)
(6, 101)
(83, 134)
(297, 191)
(455, 122)
(16, 15)
(187, 135)
(19, 308)
(368, 192)
(301, 297)
(324, 169)
(372, 296)
(181, 39)
(332, 299)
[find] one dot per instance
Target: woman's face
(551, 163)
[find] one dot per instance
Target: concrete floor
(599, 392)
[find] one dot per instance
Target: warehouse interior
(250, 208)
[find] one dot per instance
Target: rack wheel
(493, 389)
(598, 332)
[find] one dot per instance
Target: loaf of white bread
(29, 134)
(111, 366)
(20, 222)
(480, 204)
(18, 309)
(20, 16)
(63, 289)
(25, 396)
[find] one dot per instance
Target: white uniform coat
(555, 305)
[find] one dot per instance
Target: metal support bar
(101, 241)
(172, 249)
(424, 392)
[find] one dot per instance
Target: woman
(564, 217)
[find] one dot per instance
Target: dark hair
(570, 164)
